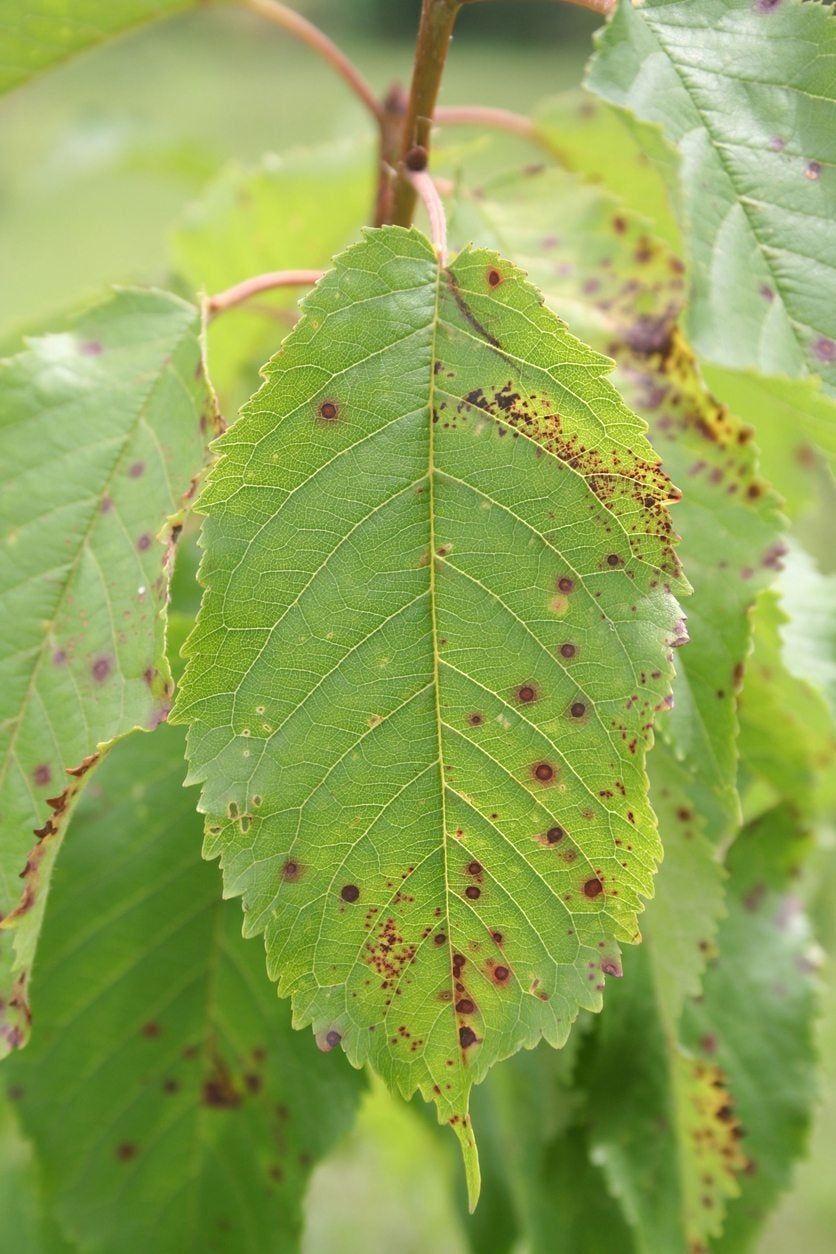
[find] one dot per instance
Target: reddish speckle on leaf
(137, 469)
(291, 870)
(439, 938)
(544, 772)
(474, 868)
(101, 668)
(333, 1038)
(568, 650)
(593, 887)
(494, 277)
(151, 1029)
(90, 348)
(555, 834)
(472, 892)
(501, 974)
(824, 349)
(143, 543)
(465, 1006)
(613, 559)
(565, 584)
(349, 892)
(577, 709)
(813, 171)
(42, 774)
(328, 411)
(526, 694)
(475, 719)
(125, 1151)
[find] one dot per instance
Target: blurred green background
(97, 161)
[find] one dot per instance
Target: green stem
(438, 18)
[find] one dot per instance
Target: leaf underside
(426, 667)
(165, 1093)
(745, 91)
(121, 405)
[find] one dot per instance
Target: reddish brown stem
(427, 190)
(260, 283)
(438, 18)
(494, 119)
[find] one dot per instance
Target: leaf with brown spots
(378, 660)
(103, 432)
(165, 1093)
(746, 93)
(623, 291)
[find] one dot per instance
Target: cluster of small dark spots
(291, 870)
(565, 584)
(125, 1151)
(136, 469)
(543, 771)
(554, 834)
(526, 693)
(577, 709)
(328, 411)
(475, 719)
(593, 887)
(466, 1037)
(101, 669)
(349, 892)
(568, 650)
(493, 277)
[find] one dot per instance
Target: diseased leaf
(659, 1116)
(796, 765)
(606, 145)
(41, 33)
(622, 290)
(102, 436)
(808, 637)
(795, 425)
(167, 1097)
(285, 212)
(755, 1018)
(745, 91)
(427, 663)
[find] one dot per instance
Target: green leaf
(427, 661)
(622, 291)
(808, 637)
(21, 1197)
(167, 1097)
(656, 1114)
(102, 436)
(797, 765)
(608, 146)
(289, 211)
(755, 1018)
(795, 425)
(745, 91)
(43, 33)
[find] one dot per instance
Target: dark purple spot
(466, 1037)
(59, 657)
(332, 1038)
(144, 542)
(349, 892)
(766, 292)
(565, 584)
(465, 1006)
(101, 668)
(613, 559)
(567, 650)
(137, 469)
(501, 974)
(475, 719)
(472, 892)
(474, 868)
(813, 171)
(593, 887)
(578, 709)
(824, 349)
(291, 870)
(42, 774)
(90, 348)
(554, 834)
(543, 771)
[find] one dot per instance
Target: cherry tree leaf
(437, 624)
(623, 291)
(159, 1041)
(42, 33)
(121, 403)
(745, 91)
(756, 1016)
